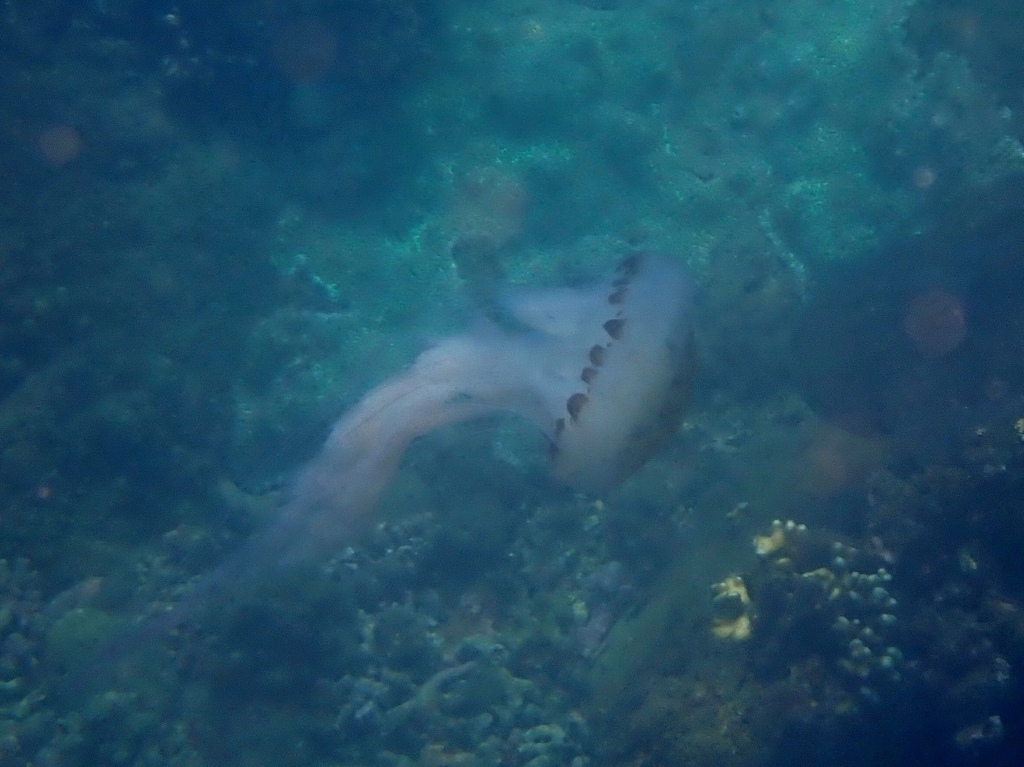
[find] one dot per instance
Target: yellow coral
(769, 544)
(733, 586)
(737, 629)
(778, 538)
(765, 545)
(733, 599)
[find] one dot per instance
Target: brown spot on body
(614, 327)
(618, 295)
(588, 375)
(630, 265)
(559, 427)
(597, 355)
(575, 404)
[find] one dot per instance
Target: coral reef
(820, 598)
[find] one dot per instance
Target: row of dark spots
(575, 403)
(626, 271)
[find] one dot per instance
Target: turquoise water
(226, 226)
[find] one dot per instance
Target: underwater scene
(511, 383)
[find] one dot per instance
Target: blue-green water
(226, 226)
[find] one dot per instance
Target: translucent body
(602, 371)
